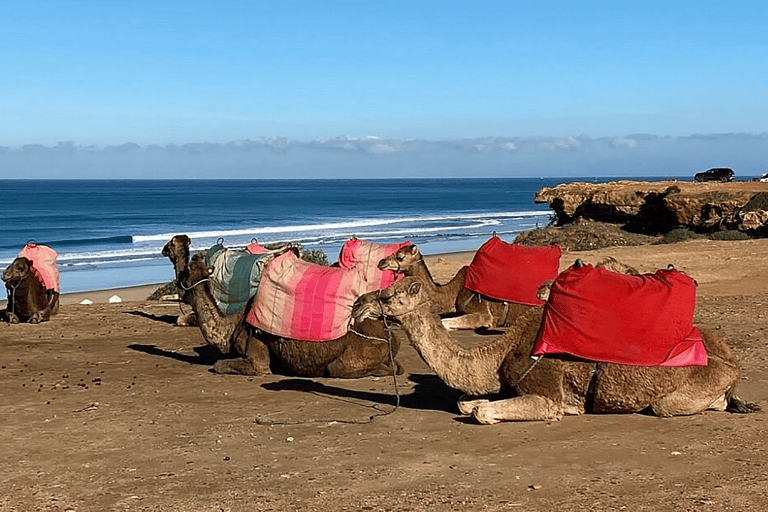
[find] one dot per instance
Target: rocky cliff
(655, 207)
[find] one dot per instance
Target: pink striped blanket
(365, 256)
(43, 264)
(305, 301)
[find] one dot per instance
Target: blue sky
(418, 88)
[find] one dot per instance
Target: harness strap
(589, 402)
(463, 304)
(536, 359)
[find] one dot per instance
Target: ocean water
(109, 233)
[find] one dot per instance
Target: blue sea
(109, 233)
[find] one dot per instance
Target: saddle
(643, 320)
(309, 302)
(236, 275)
(43, 264)
(511, 272)
(365, 256)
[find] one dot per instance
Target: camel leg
(469, 321)
(521, 408)
(360, 360)
(704, 389)
(255, 362)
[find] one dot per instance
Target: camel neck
(472, 370)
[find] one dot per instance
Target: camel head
(17, 271)
(409, 295)
(401, 260)
(612, 263)
(177, 249)
(195, 273)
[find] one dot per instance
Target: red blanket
(643, 320)
(511, 272)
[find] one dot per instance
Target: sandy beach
(110, 406)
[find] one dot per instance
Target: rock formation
(655, 207)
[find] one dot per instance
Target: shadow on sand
(429, 393)
(204, 355)
(166, 319)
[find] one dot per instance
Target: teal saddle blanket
(236, 276)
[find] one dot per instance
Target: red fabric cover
(643, 320)
(512, 272)
(356, 253)
(255, 248)
(43, 264)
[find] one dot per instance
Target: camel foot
(238, 367)
(189, 320)
(484, 415)
(12, 318)
(36, 318)
(467, 403)
(386, 370)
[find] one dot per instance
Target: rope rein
(183, 287)
(12, 298)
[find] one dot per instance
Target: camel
(179, 244)
(365, 350)
(550, 387)
(475, 311)
(28, 299)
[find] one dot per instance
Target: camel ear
(671, 266)
(414, 250)
(414, 288)
(578, 263)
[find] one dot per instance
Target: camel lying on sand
(366, 350)
(28, 299)
(552, 387)
(474, 311)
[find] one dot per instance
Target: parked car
(715, 174)
(763, 178)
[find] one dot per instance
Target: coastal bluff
(655, 207)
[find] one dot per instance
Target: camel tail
(739, 406)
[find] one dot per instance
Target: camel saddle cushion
(255, 248)
(511, 272)
(356, 253)
(600, 315)
(43, 264)
(235, 278)
(305, 301)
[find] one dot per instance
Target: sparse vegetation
(758, 202)
(678, 235)
(728, 235)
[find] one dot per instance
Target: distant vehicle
(715, 174)
(763, 178)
